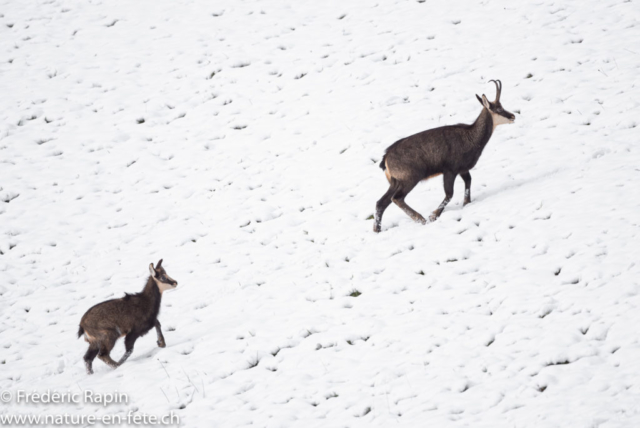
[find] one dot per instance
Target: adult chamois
(448, 151)
(131, 316)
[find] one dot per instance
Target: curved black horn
(498, 89)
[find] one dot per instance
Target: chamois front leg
(449, 179)
(160, 341)
(467, 187)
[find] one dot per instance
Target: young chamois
(131, 316)
(448, 151)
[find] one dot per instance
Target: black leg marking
(89, 357)
(467, 187)
(449, 179)
(160, 341)
(383, 203)
(129, 341)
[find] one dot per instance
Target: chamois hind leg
(160, 341)
(449, 178)
(398, 199)
(384, 202)
(106, 345)
(467, 187)
(90, 356)
(129, 341)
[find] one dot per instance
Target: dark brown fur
(131, 316)
(449, 150)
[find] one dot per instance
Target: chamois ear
(479, 100)
(159, 264)
(485, 102)
(152, 271)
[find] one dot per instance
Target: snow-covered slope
(240, 140)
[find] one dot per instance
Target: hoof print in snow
(365, 412)
(559, 363)
(8, 197)
(544, 313)
(253, 363)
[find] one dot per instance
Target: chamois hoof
(433, 217)
(161, 344)
(466, 202)
(376, 228)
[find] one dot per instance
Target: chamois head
(498, 114)
(162, 280)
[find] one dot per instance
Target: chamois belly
(410, 169)
(428, 177)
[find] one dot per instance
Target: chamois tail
(80, 331)
(383, 165)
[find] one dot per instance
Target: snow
(240, 142)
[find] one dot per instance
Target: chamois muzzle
(166, 279)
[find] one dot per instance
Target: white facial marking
(163, 286)
(499, 120)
